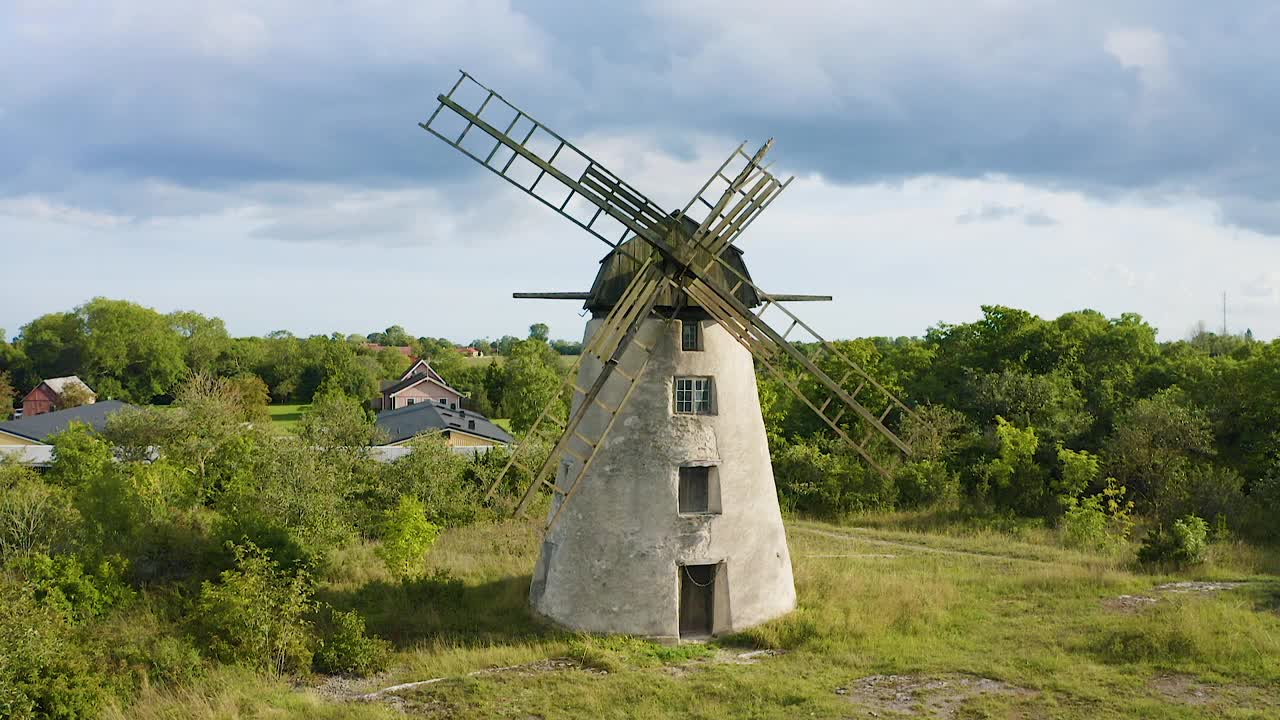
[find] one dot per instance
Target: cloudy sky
(261, 161)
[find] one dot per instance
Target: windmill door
(697, 600)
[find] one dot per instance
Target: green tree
(129, 351)
(54, 344)
(394, 336)
(539, 331)
(205, 340)
(7, 395)
(34, 515)
(435, 476)
(407, 535)
(532, 380)
(290, 497)
(1152, 446)
(74, 395)
(1013, 480)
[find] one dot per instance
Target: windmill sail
(601, 403)
(543, 164)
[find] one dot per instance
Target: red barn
(47, 396)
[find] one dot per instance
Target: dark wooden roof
(618, 268)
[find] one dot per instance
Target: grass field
(892, 623)
(287, 416)
(565, 360)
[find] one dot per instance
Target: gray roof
(403, 423)
(40, 427)
(59, 384)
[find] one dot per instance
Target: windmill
(664, 519)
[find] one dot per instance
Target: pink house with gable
(419, 384)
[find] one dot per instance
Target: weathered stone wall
(611, 563)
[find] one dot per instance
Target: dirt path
(862, 535)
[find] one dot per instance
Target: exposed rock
(1198, 587)
(923, 696)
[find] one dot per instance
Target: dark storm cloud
(1175, 97)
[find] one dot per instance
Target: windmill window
(690, 335)
(699, 490)
(693, 395)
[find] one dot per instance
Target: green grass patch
(287, 416)
(1012, 607)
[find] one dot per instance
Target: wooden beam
(784, 297)
(554, 295)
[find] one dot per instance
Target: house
(27, 439)
(461, 428)
(47, 396)
(419, 384)
(404, 350)
(470, 351)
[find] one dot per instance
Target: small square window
(443, 401)
(690, 335)
(409, 401)
(693, 395)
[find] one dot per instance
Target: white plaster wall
(611, 562)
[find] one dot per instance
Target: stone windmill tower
(664, 520)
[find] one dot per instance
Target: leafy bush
(926, 482)
(829, 483)
(34, 516)
(62, 584)
(345, 648)
(1099, 522)
(256, 614)
(1084, 525)
(1183, 544)
(407, 535)
(289, 494)
(80, 456)
(1013, 479)
(43, 671)
(436, 476)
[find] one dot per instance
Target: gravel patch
(938, 697)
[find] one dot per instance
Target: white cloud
(323, 257)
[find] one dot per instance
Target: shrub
(1099, 522)
(1013, 480)
(290, 491)
(34, 516)
(256, 614)
(407, 535)
(1085, 524)
(345, 648)
(438, 477)
(62, 584)
(80, 456)
(926, 482)
(813, 480)
(43, 671)
(1183, 544)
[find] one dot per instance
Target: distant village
(421, 401)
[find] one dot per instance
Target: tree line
(133, 353)
(1022, 417)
